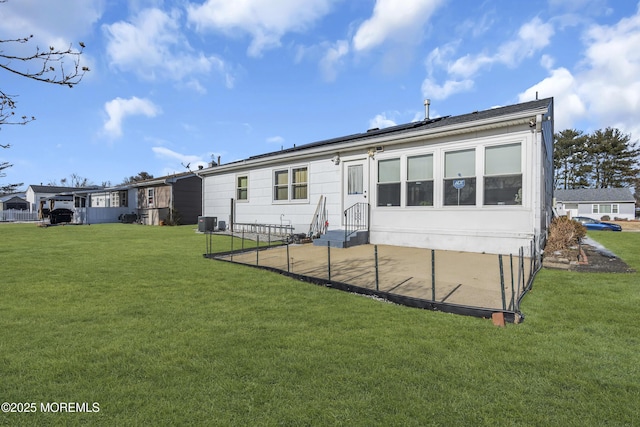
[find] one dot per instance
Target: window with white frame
(242, 188)
(605, 208)
(460, 178)
(150, 196)
(291, 184)
(503, 175)
(299, 184)
(420, 180)
(389, 182)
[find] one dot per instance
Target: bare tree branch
(43, 65)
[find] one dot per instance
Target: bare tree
(43, 65)
(48, 65)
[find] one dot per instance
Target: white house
(596, 203)
(478, 182)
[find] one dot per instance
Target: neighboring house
(596, 203)
(478, 182)
(104, 205)
(38, 195)
(173, 199)
(16, 201)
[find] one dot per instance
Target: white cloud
(381, 121)
(180, 162)
(153, 46)
(605, 86)
(432, 90)
(21, 18)
(391, 21)
(562, 85)
(275, 140)
(531, 38)
(333, 59)
(34, 17)
(118, 109)
(266, 22)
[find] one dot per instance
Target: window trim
(597, 207)
(518, 197)
(444, 178)
(238, 188)
(398, 183)
(290, 185)
(151, 197)
(406, 182)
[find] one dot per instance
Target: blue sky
(178, 83)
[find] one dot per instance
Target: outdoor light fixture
(336, 159)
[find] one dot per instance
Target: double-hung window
(503, 175)
(150, 197)
(291, 184)
(242, 188)
(420, 180)
(389, 182)
(460, 178)
(299, 184)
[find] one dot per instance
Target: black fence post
(257, 248)
(242, 239)
(433, 275)
(329, 260)
(232, 244)
(504, 300)
(288, 266)
(513, 291)
(375, 248)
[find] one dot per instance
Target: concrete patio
(461, 278)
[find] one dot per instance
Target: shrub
(605, 218)
(564, 233)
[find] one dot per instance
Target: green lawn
(135, 319)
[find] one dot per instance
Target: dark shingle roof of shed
(57, 189)
(594, 195)
(424, 124)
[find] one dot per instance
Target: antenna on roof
(427, 102)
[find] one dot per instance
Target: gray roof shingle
(595, 195)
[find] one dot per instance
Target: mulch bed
(598, 262)
(589, 260)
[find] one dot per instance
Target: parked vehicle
(60, 215)
(594, 224)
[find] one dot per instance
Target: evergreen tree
(613, 158)
(570, 160)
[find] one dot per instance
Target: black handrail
(356, 218)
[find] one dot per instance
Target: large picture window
(291, 184)
(503, 176)
(420, 180)
(605, 209)
(389, 182)
(459, 178)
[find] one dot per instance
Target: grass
(134, 318)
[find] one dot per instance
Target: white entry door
(355, 182)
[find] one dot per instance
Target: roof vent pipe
(427, 102)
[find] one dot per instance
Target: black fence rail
(423, 278)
